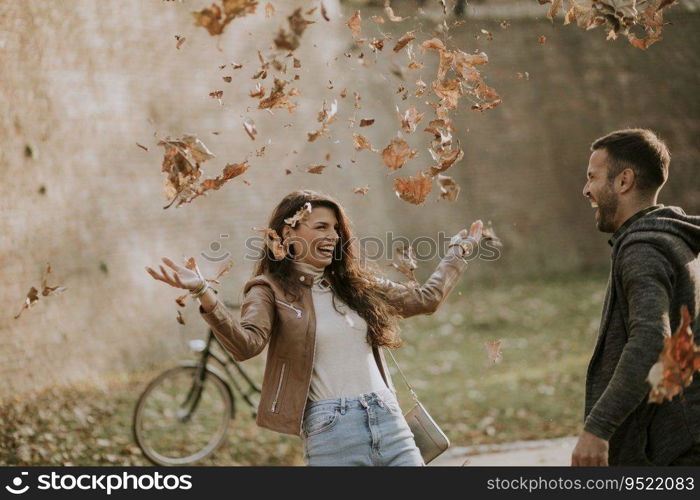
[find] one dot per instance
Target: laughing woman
(325, 319)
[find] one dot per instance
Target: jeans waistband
(361, 401)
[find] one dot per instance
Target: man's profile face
(600, 191)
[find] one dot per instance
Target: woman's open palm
(178, 276)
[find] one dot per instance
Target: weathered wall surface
(82, 82)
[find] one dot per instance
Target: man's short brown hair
(642, 151)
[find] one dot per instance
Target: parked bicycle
(183, 414)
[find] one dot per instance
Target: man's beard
(607, 209)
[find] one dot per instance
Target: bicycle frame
(225, 363)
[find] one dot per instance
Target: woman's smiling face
(314, 239)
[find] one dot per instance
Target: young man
(655, 270)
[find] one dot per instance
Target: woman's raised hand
(468, 238)
(178, 276)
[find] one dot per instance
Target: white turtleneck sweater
(343, 361)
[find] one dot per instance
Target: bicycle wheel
(175, 423)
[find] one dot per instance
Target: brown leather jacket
(290, 329)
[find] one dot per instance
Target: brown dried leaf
(180, 301)
(355, 24)
(31, 299)
(397, 153)
(301, 215)
(361, 190)
(179, 318)
(449, 189)
(361, 142)
(269, 10)
(403, 41)
(315, 169)
(249, 127)
(409, 119)
(366, 122)
(413, 189)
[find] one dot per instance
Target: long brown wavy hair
(350, 282)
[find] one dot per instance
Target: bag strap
(410, 389)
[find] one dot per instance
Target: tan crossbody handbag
(430, 439)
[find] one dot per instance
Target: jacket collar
(624, 227)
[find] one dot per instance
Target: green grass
(547, 329)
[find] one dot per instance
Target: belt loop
(363, 401)
(343, 405)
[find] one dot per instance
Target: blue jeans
(366, 430)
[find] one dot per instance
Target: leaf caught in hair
(413, 189)
(493, 348)
(273, 242)
(449, 189)
(397, 153)
(300, 216)
(678, 361)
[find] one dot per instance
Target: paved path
(544, 452)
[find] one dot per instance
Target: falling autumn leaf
(366, 122)
(230, 171)
(414, 190)
(678, 361)
(179, 318)
(409, 119)
(315, 169)
(493, 348)
(541, 39)
(324, 12)
(449, 189)
(223, 271)
(360, 142)
(355, 24)
(269, 10)
(403, 41)
(249, 127)
(46, 290)
(181, 162)
(215, 19)
(180, 41)
(180, 301)
(142, 146)
(397, 153)
(488, 234)
(390, 12)
(361, 190)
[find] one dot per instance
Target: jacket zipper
(279, 387)
(297, 311)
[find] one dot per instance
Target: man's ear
(625, 180)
